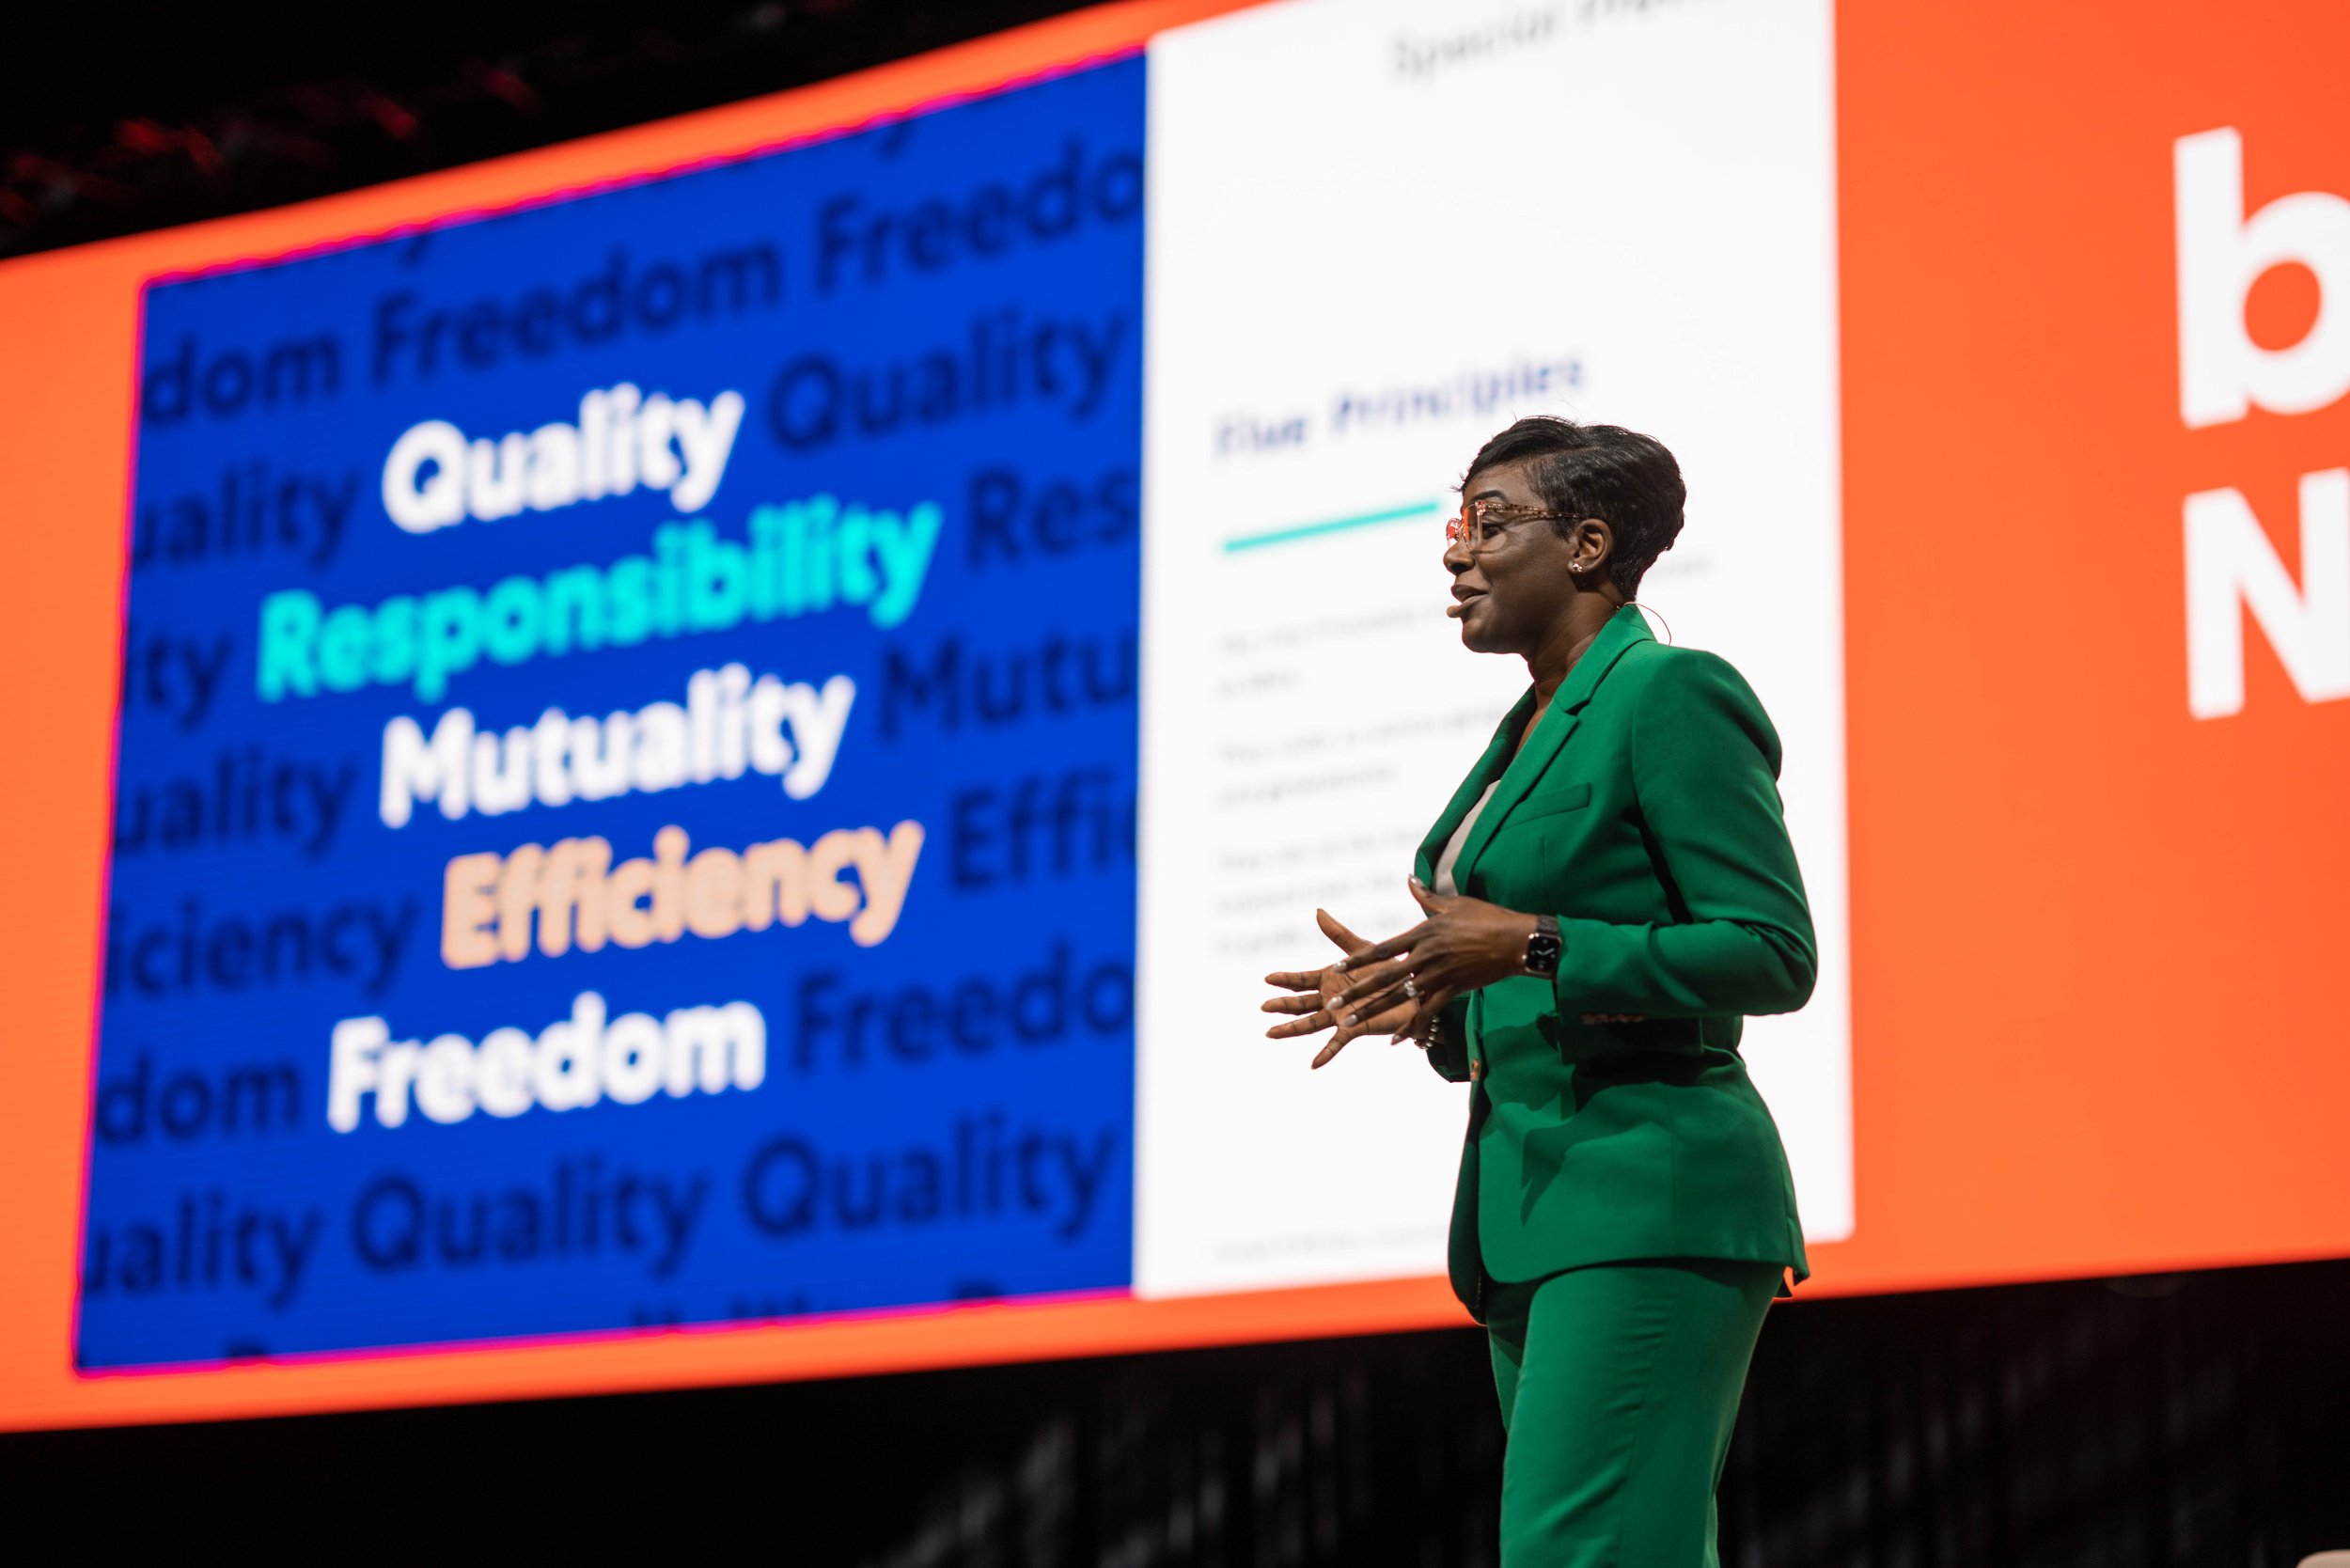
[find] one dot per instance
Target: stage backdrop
(675, 760)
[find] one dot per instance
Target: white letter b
(2222, 370)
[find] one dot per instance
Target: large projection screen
(675, 760)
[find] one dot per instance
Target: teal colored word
(800, 558)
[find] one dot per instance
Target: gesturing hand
(1398, 986)
(1465, 944)
(1317, 988)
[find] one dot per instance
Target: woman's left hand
(1463, 945)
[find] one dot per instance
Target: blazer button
(1477, 1069)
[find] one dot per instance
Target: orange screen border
(1921, 1121)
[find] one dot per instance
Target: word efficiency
(575, 894)
(434, 477)
(729, 725)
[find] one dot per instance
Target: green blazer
(1644, 813)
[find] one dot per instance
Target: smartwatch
(1544, 947)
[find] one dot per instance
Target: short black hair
(1627, 480)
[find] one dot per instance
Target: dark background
(120, 116)
(2189, 1420)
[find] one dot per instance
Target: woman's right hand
(1313, 990)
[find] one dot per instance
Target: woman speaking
(1607, 894)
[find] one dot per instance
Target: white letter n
(2231, 567)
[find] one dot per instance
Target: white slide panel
(1379, 229)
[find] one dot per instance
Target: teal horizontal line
(1336, 525)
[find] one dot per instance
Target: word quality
(800, 559)
(576, 894)
(573, 1063)
(435, 479)
(729, 725)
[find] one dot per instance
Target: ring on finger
(1411, 988)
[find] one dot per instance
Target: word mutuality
(800, 559)
(573, 1062)
(576, 894)
(434, 477)
(729, 725)
(2231, 567)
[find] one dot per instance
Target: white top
(1460, 836)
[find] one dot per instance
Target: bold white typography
(2222, 370)
(572, 1063)
(2231, 567)
(728, 725)
(436, 478)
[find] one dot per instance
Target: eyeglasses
(1482, 520)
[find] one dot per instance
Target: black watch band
(1544, 947)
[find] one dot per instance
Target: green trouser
(1619, 1384)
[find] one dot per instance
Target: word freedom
(800, 559)
(573, 1063)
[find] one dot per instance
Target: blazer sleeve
(1705, 774)
(1450, 1055)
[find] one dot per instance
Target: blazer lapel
(1496, 751)
(1625, 628)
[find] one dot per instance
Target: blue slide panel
(625, 788)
